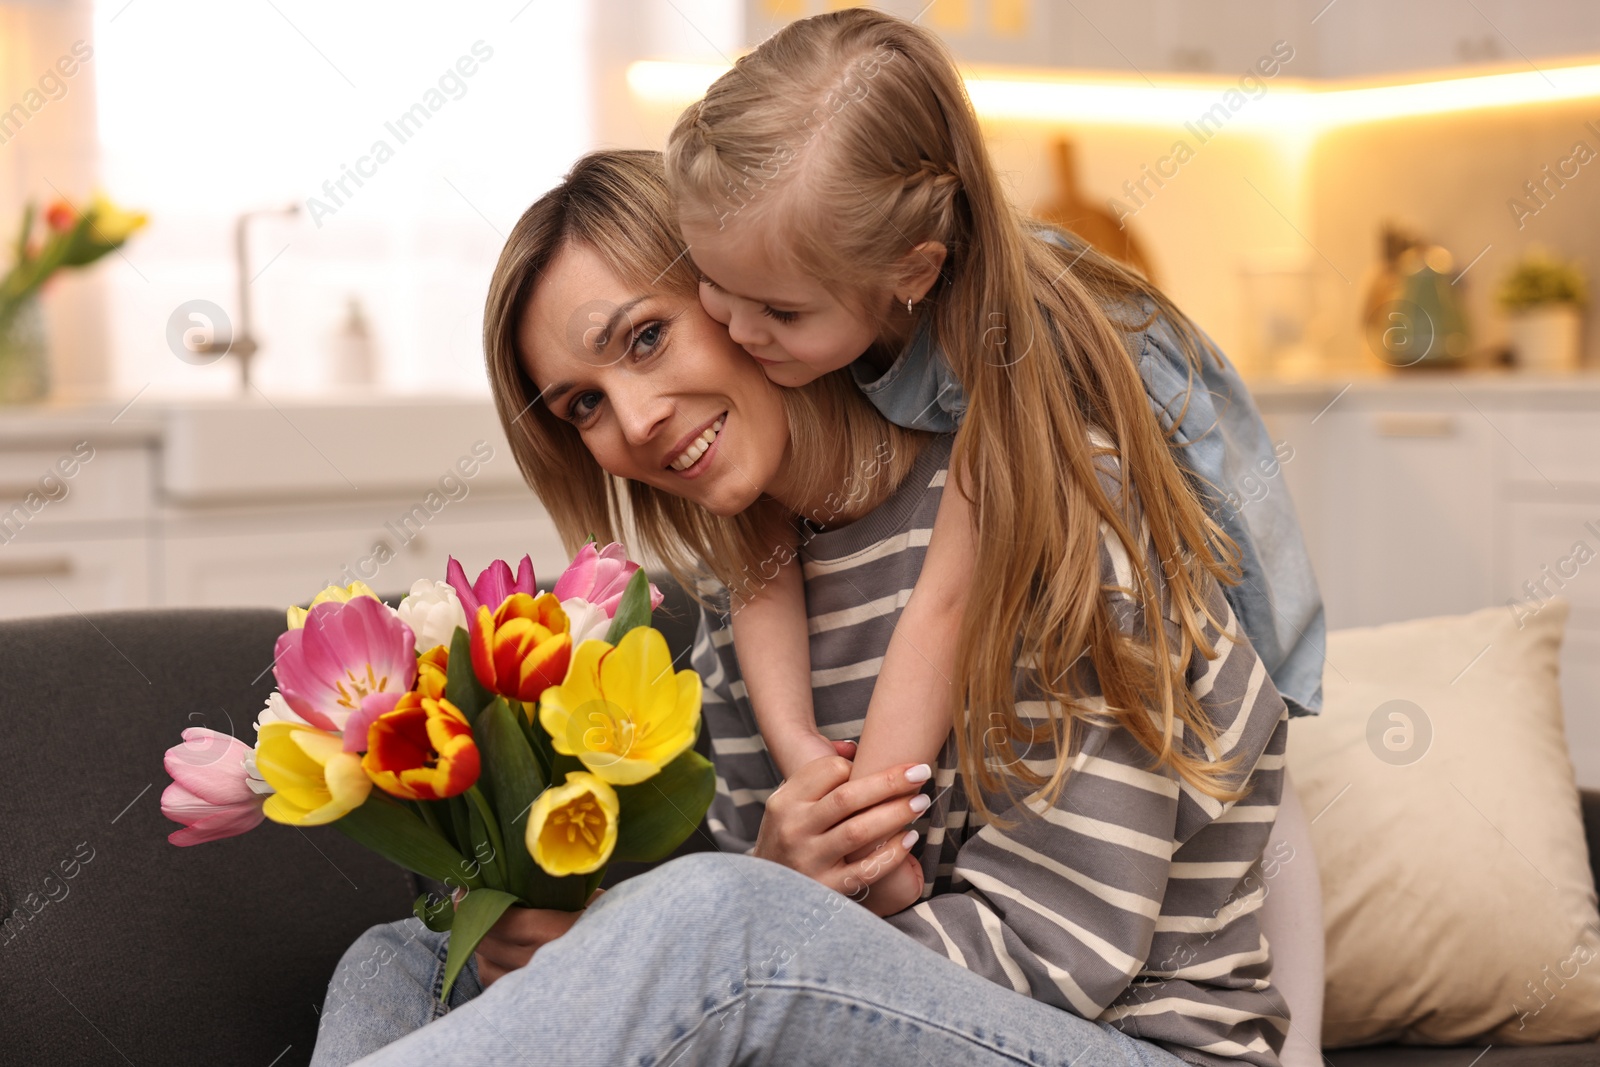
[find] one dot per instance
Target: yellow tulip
(572, 828)
(111, 223)
(338, 593)
(433, 668)
(316, 780)
(622, 711)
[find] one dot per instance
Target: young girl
(839, 205)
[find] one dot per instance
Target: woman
(1130, 899)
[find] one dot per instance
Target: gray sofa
(121, 949)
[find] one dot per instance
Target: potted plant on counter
(1544, 299)
(72, 238)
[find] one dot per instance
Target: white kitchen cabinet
(73, 483)
(1442, 494)
(1331, 38)
(74, 524)
(227, 504)
(283, 557)
(66, 577)
(1222, 37)
(1413, 487)
(1552, 549)
(1361, 38)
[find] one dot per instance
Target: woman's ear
(919, 269)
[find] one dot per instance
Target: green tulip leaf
(484, 849)
(514, 780)
(538, 740)
(459, 826)
(385, 826)
(561, 766)
(659, 813)
(434, 911)
(634, 608)
(461, 685)
(477, 912)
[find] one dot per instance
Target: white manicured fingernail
(908, 840)
(920, 773)
(920, 802)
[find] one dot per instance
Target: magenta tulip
(599, 577)
(209, 793)
(493, 586)
(344, 654)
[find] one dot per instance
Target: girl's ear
(919, 269)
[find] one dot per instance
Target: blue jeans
(711, 958)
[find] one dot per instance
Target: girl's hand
(511, 942)
(895, 891)
(817, 819)
(794, 750)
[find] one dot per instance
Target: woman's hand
(818, 819)
(511, 942)
(902, 886)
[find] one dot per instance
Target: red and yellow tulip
(622, 711)
(572, 828)
(422, 750)
(432, 667)
(523, 647)
(316, 780)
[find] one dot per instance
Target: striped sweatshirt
(1134, 898)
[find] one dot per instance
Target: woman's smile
(693, 458)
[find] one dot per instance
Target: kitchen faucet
(242, 343)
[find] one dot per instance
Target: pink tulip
(599, 577)
(209, 793)
(344, 654)
(357, 725)
(493, 586)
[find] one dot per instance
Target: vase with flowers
(71, 239)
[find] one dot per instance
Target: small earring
(908, 307)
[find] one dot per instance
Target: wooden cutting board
(1071, 210)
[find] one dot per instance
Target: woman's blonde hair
(617, 203)
(849, 138)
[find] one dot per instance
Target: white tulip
(585, 621)
(277, 710)
(433, 611)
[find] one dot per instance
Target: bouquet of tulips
(72, 239)
(505, 742)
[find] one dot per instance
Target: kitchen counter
(49, 427)
(238, 502)
(1500, 388)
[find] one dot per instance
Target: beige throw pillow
(1456, 887)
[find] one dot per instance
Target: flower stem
(492, 827)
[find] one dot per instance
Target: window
(410, 138)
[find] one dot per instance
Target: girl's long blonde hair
(849, 138)
(617, 203)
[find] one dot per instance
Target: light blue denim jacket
(1220, 439)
